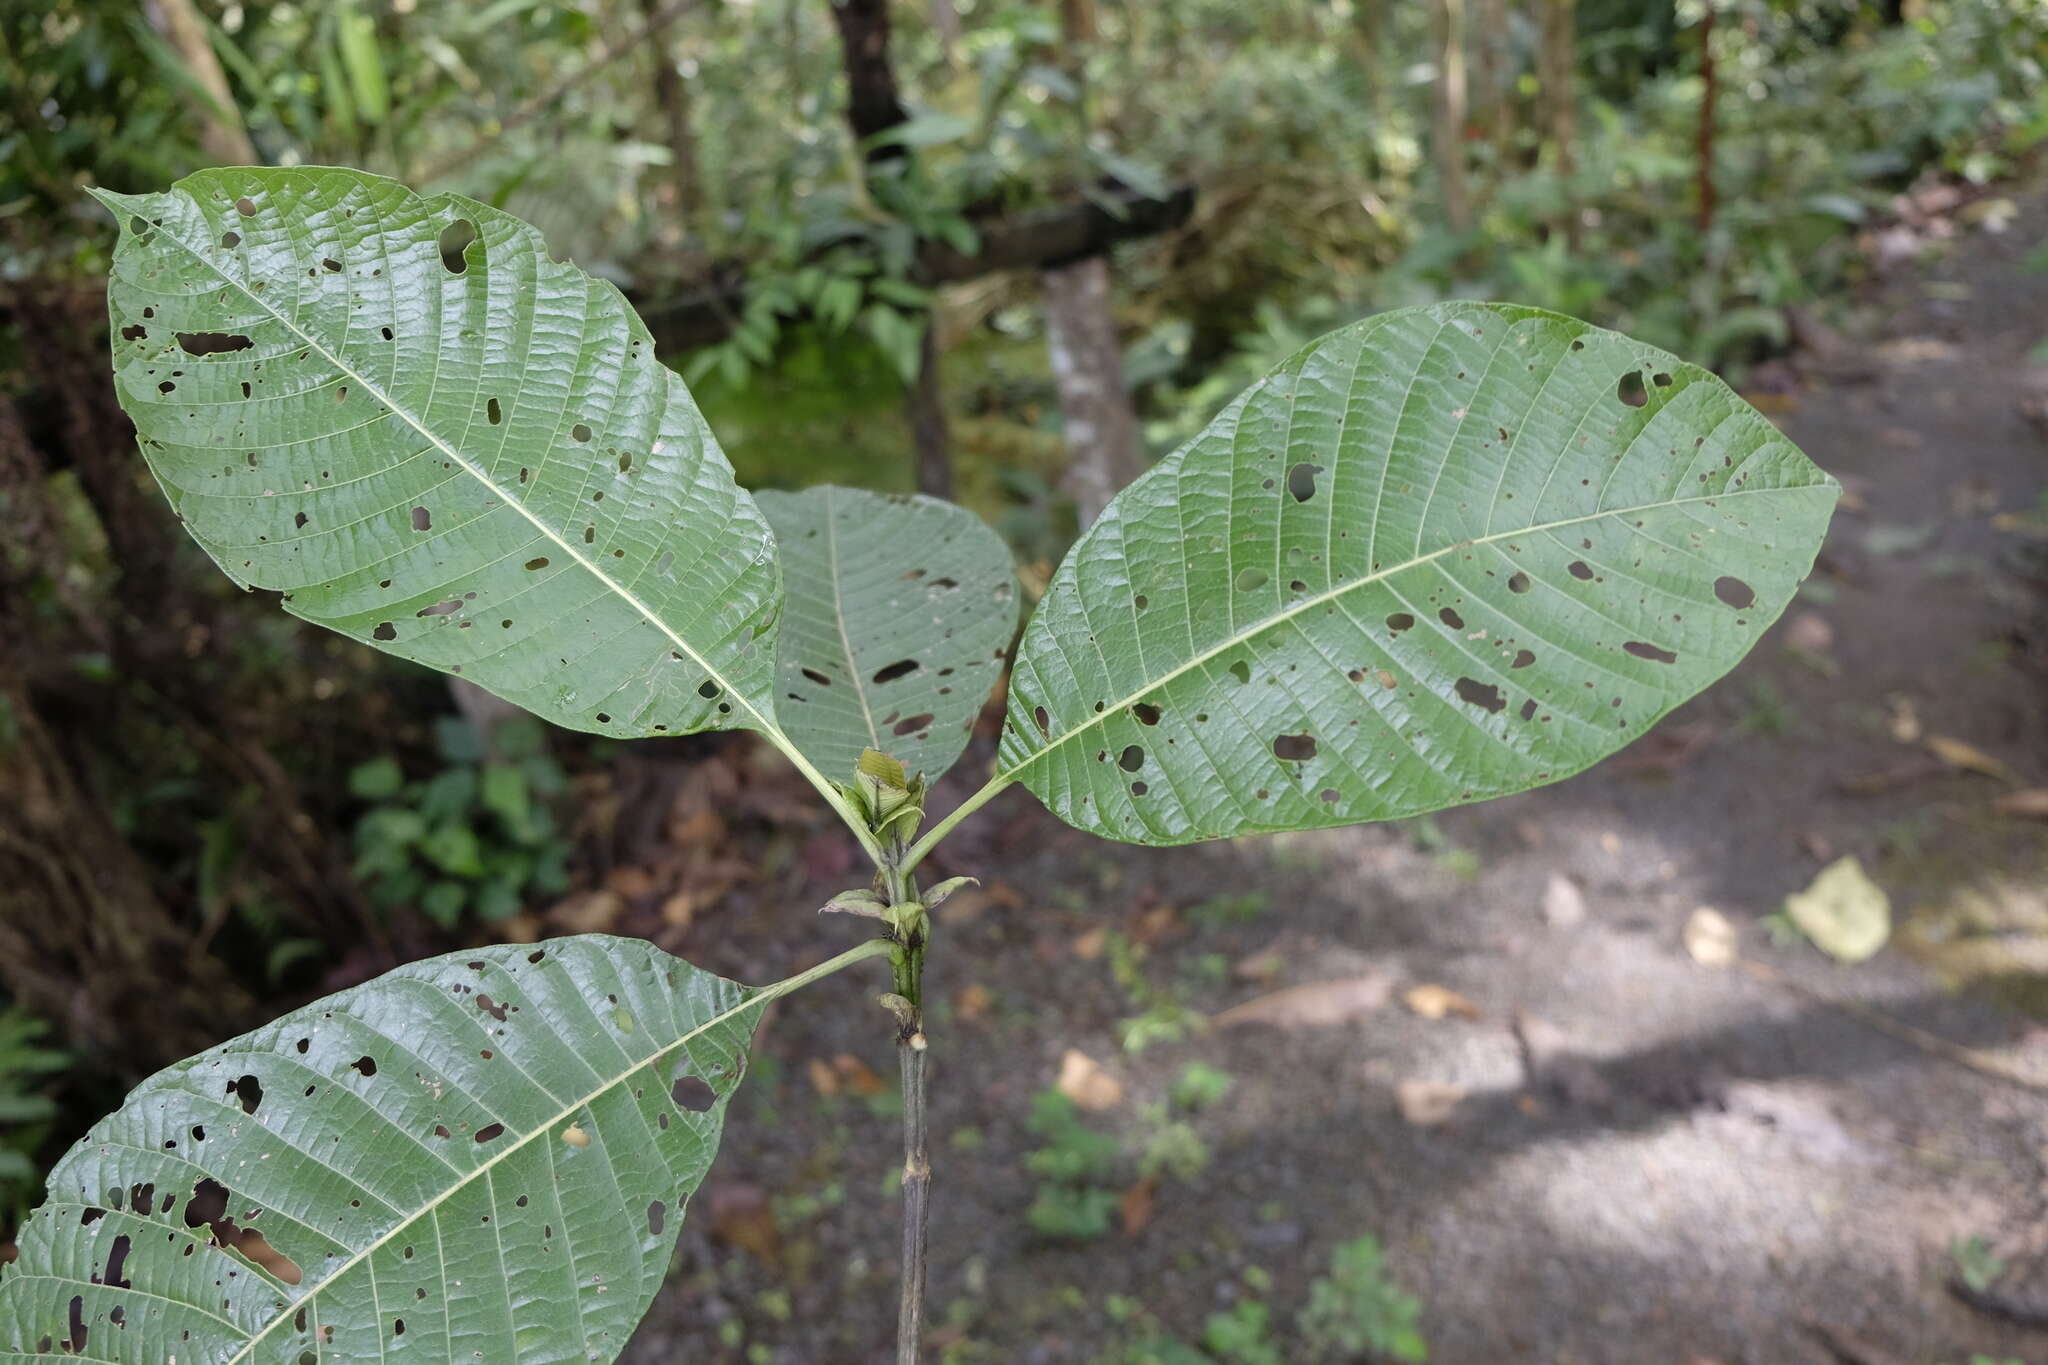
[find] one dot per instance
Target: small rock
(1564, 907)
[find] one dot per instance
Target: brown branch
(545, 102)
(1039, 240)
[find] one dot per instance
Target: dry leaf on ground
(1134, 1210)
(1438, 1002)
(1316, 1005)
(1427, 1104)
(2031, 803)
(1710, 938)
(1968, 757)
(1564, 907)
(1847, 915)
(1083, 1081)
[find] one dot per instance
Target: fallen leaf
(1084, 1082)
(1134, 1210)
(1088, 946)
(1438, 1002)
(1263, 965)
(1968, 757)
(2032, 803)
(1905, 718)
(1710, 938)
(1160, 922)
(680, 910)
(1426, 1104)
(973, 1002)
(1563, 905)
(741, 1217)
(1316, 1005)
(1847, 915)
(824, 1079)
(857, 1076)
(587, 912)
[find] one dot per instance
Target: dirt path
(1647, 1161)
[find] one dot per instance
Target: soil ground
(1647, 1160)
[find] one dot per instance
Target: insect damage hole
(1301, 480)
(1294, 748)
(1630, 389)
(1483, 695)
(1643, 650)
(454, 243)
(213, 343)
(248, 1090)
(902, 668)
(1132, 758)
(422, 519)
(692, 1093)
(1734, 592)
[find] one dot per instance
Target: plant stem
(917, 1182)
(874, 947)
(907, 960)
(988, 792)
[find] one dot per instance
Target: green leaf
(476, 464)
(899, 609)
(493, 1148)
(377, 780)
(1442, 555)
(1846, 914)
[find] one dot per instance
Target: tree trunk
(1448, 126)
(1496, 95)
(1706, 138)
(672, 95)
(221, 134)
(1558, 58)
(928, 434)
(1103, 442)
(873, 105)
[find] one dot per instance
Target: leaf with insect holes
(1442, 555)
(399, 412)
(899, 608)
(483, 1156)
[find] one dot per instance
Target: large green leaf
(1447, 553)
(899, 610)
(483, 1156)
(467, 456)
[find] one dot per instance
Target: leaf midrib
(839, 620)
(504, 495)
(433, 1205)
(1009, 774)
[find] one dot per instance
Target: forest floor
(1615, 1154)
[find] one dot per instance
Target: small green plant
(1357, 1308)
(1162, 1016)
(25, 1112)
(1977, 1265)
(476, 838)
(1440, 555)
(1074, 1167)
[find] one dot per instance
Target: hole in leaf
(1294, 748)
(213, 343)
(1131, 759)
(1146, 712)
(246, 207)
(384, 631)
(657, 1214)
(330, 265)
(902, 668)
(1648, 651)
(454, 244)
(1451, 619)
(365, 1064)
(249, 1091)
(1631, 391)
(1483, 695)
(1523, 658)
(1580, 570)
(1301, 480)
(1734, 592)
(422, 519)
(580, 432)
(490, 1131)
(230, 240)
(1241, 671)
(135, 332)
(1044, 721)
(536, 564)
(913, 723)
(493, 413)
(1399, 621)
(1518, 582)
(117, 1257)
(693, 1094)
(815, 676)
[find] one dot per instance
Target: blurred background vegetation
(1008, 250)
